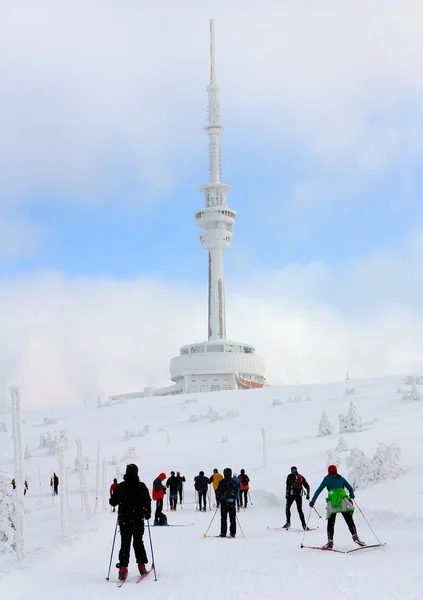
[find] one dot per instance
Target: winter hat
(178, 473)
(215, 471)
(172, 472)
(242, 471)
(201, 473)
(131, 470)
(227, 472)
(332, 469)
(294, 469)
(162, 476)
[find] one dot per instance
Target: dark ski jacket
(201, 483)
(227, 490)
(172, 484)
(295, 486)
(181, 480)
(134, 500)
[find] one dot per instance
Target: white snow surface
(264, 563)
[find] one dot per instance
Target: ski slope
(264, 563)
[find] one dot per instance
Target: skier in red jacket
(112, 491)
(159, 491)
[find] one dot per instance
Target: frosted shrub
(129, 454)
(414, 395)
(325, 428)
(212, 414)
(114, 460)
(47, 421)
(350, 391)
(384, 465)
(196, 418)
(232, 413)
(410, 379)
(360, 468)
(190, 401)
(277, 402)
(3, 427)
(52, 446)
(342, 445)
(387, 460)
(333, 458)
(7, 512)
(224, 440)
(138, 432)
(350, 423)
(27, 452)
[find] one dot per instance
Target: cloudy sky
(102, 276)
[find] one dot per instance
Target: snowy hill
(192, 433)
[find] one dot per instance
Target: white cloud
(18, 237)
(67, 340)
(94, 92)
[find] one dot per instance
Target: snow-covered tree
(27, 452)
(7, 512)
(333, 458)
(3, 427)
(361, 468)
(85, 462)
(130, 454)
(82, 478)
(48, 421)
(325, 428)
(387, 462)
(277, 402)
(350, 391)
(342, 445)
(62, 449)
(138, 432)
(414, 395)
(232, 413)
(114, 460)
(212, 414)
(350, 423)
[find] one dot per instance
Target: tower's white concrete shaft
(216, 218)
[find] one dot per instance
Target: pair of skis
(344, 551)
(292, 529)
(139, 578)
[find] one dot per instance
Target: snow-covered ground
(264, 563)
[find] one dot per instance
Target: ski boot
(329, 545)
(142, 569)
(287, 525)
(306, 528)
(123, 573)
(357, 540)
(222, 535)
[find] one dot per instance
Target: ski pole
(370, 527)
(320, 516)
(111, 554)
(152, 552)
(205, 534)
(239, 525)
(209, 496)
(305, 530)
(249, 495)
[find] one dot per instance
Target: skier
(159, 491)
(337, 502)
(25, 487)
(172, 485)
(201, 484)
(244, 481)
(215, 479)
(294, 492)
(54, 483)
(134, 506)
(112, 491)
(13, 482)
(181, 481)
(226, 497)
(238, 483)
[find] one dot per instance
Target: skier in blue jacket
(337, 502)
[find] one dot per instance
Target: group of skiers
(231, 491)
(54, 484)
(201, 485)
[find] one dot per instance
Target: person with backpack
(181, 481)
(159, 491)
(201, 484)
(294, 492)
(226, 496)
(238, 483)
(172, 486)
(338, 501)
(215, 479)
(54, 483)
(134, 506)
(112, 491)
(244, 486)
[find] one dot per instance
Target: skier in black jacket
(201, 484)
(172, 485)
(226, 494)
(181, 480)
(294, 491)
(134, 502)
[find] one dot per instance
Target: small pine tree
(325, 428)
(350, 423)
(27, 452)
(342, 445)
